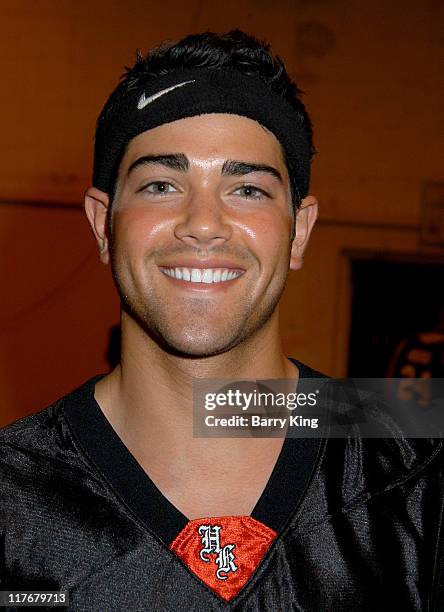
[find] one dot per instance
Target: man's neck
(149, 382)
(148, 399)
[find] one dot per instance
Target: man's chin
(200, 342)
(199, 347)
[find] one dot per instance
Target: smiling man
(200, 205)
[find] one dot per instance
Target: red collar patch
(223, 551)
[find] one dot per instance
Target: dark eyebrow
(175, 161)
(238, 168)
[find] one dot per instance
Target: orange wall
(372, 76)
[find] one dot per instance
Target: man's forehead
(209, 141)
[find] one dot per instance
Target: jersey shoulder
(33, 433)
(37, 441)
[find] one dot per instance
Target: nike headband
(199, 91)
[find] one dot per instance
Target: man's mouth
(203, 275)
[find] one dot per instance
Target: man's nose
(204, 221)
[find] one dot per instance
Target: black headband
(199, 91)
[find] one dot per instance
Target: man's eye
(251, 192)
(160, 188)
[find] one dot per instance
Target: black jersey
(343, 524)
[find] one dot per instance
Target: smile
(202, 275)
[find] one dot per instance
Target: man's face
(201, 231)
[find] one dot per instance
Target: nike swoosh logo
(144, 101)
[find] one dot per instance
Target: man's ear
(305, 220)
(96, 208)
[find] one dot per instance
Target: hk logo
(210, 538)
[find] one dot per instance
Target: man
(200, 203)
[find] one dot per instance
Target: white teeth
(207, 276)
(196, 275)
(199, 275)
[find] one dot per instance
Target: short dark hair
(235, 49)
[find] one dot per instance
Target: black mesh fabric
(365, 535)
